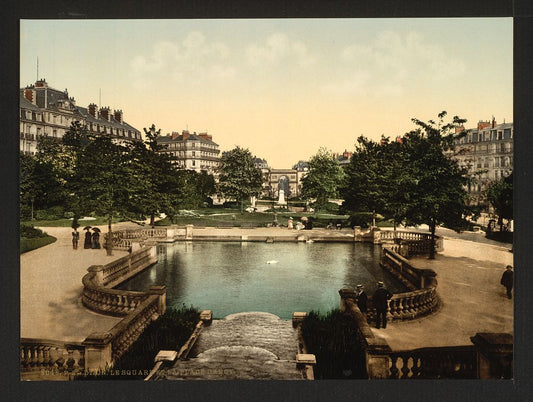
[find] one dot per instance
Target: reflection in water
(227, 277)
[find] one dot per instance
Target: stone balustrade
(129, 329)
(490, 356)
(433, 363)
(51, 358)
(405, 242)
(98, 293)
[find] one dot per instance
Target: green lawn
(27, 244)
(215, 216)
(68, 222)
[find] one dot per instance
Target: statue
(281, 198)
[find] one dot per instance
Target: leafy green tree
(104, 179)
(324, 178)
(38, 185)
(437, 192)
(364, 184)
(151, 191)
(500, 196)
(239, 178)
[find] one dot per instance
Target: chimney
(41, 83)
(483, 124)
(175, 134)
(118, 116)
(29, 95)
(185, 134)
(92, 110)
(104, 112)
(205, 136)
(493, 122)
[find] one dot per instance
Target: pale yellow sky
(282, 88)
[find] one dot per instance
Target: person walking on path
(96, 238)
(88, 238)
(507, 280)
(75, 238)
(362, 299)
(380, 300)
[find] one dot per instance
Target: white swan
(272, 262)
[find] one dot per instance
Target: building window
(507, 134)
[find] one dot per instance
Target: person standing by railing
(380, 300)
(362, 299)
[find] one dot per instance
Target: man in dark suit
(361, 299)
(380, 300)
(507, 280)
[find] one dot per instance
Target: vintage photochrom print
(266, 199)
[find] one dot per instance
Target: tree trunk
(373, 218)
(32, 209)
(152, 220)
(242, 206)
(432, 243)
(109, 242)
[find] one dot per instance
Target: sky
(283, 88)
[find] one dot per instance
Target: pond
(279, 278)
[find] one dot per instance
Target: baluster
(34, 359)
(70, 360)
(394, 370)
(417, 366)
(25, 358)
(81, 359)
(405, 368)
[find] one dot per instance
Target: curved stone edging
(98, 294)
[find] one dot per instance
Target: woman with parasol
(88, 240)
(96, 238)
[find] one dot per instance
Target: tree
(324, 178)
(103, 180)
(437, 192)
(239, 178)
(500, 196)
(151, 186)
(375, 180)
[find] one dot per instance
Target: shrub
(29, 232)
(53, 213)
(27, 244)
(334, 341)
(169, 332)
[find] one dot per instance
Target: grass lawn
(215, 216)
(68, 222)
(27, 244)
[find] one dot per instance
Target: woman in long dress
(88, 239)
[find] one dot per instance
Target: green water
(279, 278)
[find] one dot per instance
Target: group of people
(305, 223)
(92, 240)
(380, 301)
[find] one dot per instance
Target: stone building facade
(48, 111)
(487, 153)
(192, 151)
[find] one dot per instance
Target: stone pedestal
(188, 231)
(495, 355)
(160, 290)
(99, 273)
(206, 316)
(298, 317)
(97, 351)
